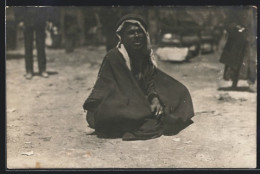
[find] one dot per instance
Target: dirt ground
(46, 126)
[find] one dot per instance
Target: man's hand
(156, 106)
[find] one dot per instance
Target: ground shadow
(170, 130)
(176, 128)
(241, 89)
(175, 62)
(105, 136)
(49, 72)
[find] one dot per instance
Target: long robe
(118, 102)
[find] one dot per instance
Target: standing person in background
(71, 32)
(33, 20)
(239, 54)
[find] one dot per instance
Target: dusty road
(46, 125)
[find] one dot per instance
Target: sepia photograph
(94, 87)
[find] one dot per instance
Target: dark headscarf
(132, 17)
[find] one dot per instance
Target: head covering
(134, 19)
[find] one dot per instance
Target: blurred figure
(95, 30)
(108, 19)
(71, 32)
(53, 35)
(252, 46)
(217, 35)
(10, 29)
(33, 20)
(239, 54)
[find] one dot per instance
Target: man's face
(133, 37)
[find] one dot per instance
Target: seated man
(132, 98)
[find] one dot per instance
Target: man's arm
(153, 97)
